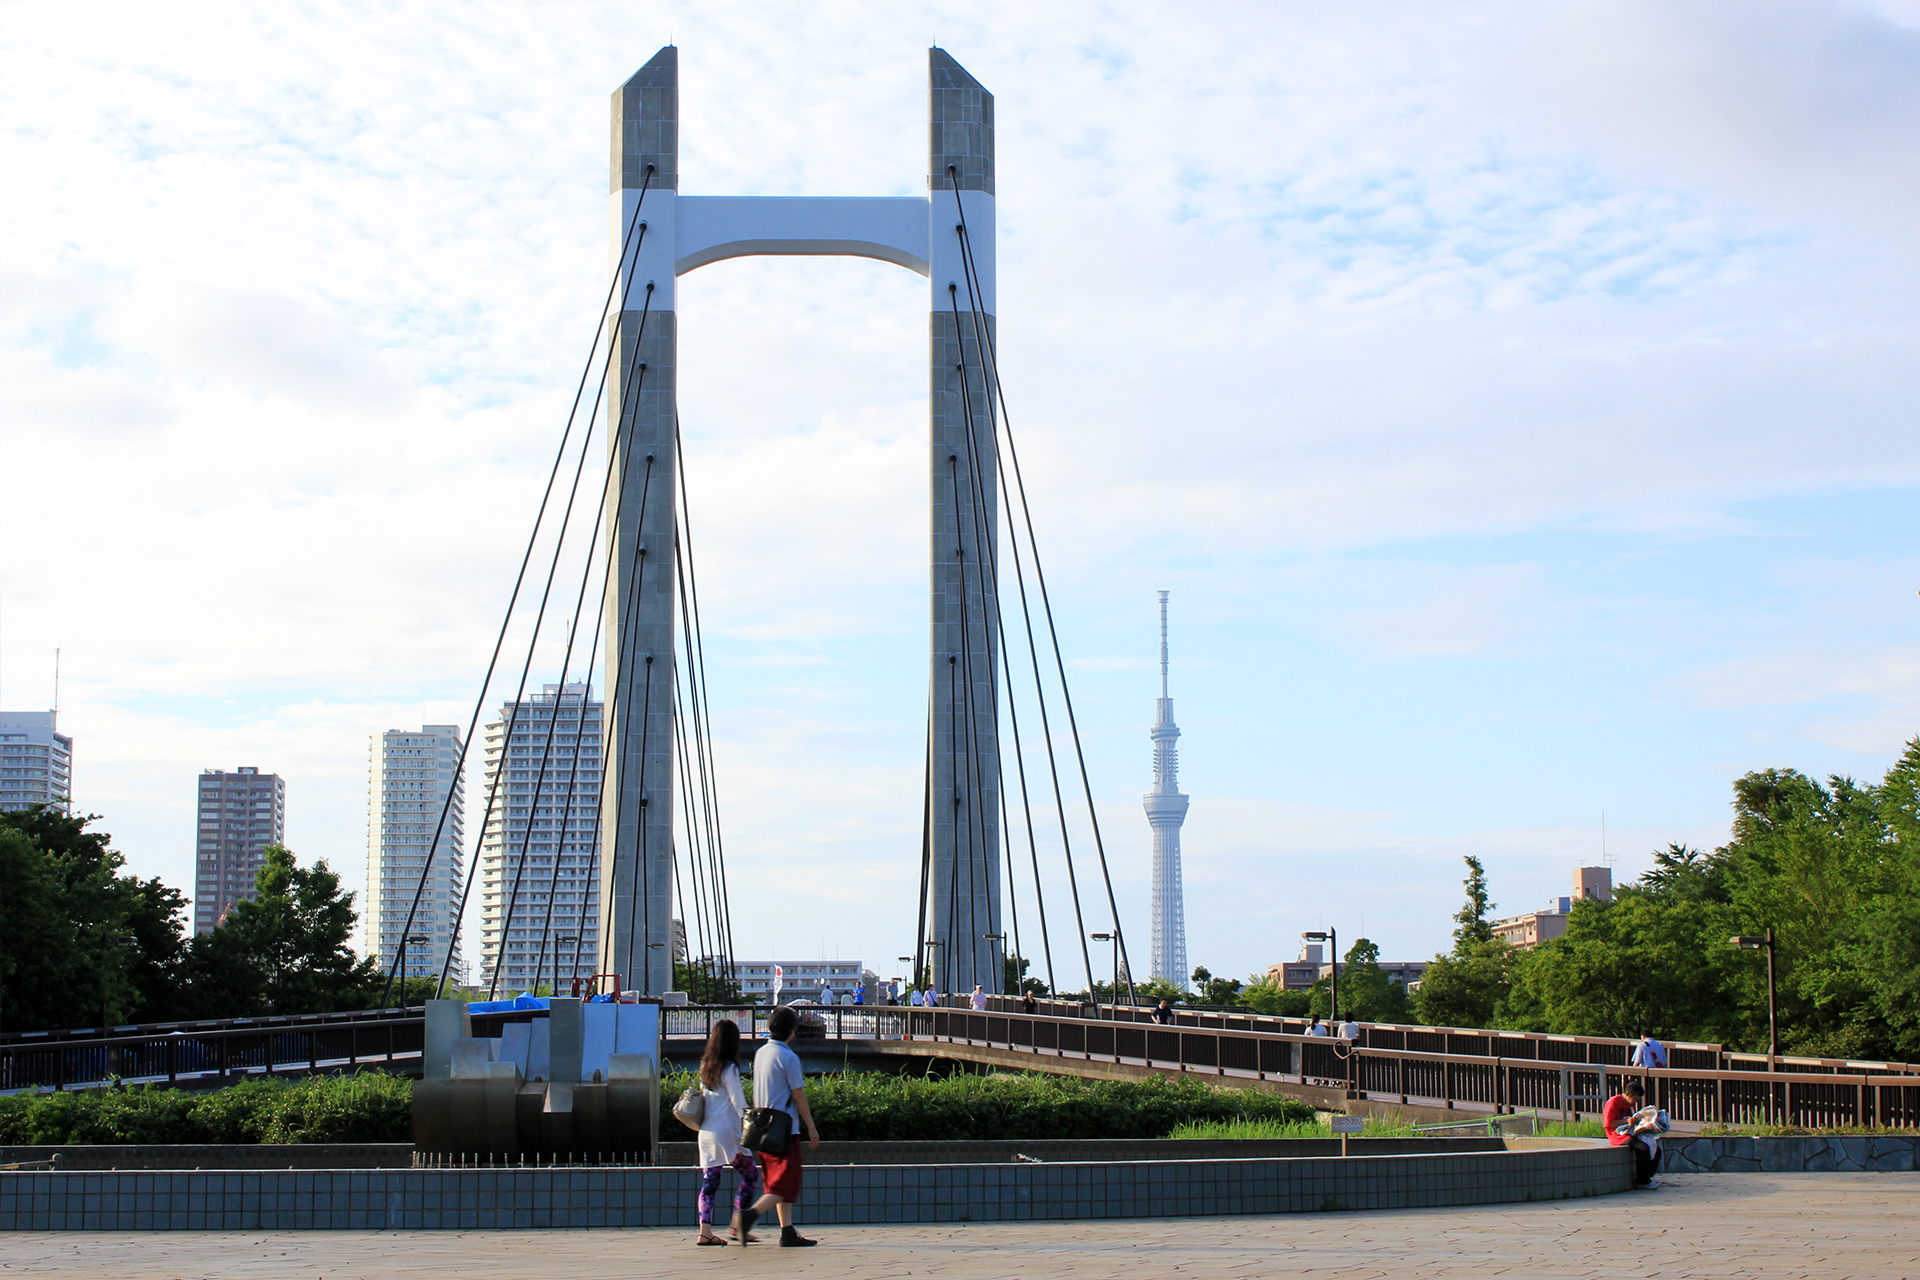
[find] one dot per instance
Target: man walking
(1649, 1052)
(979, 1001)
(779, 1084)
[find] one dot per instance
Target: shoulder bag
(768, 1129)
(692, 1108)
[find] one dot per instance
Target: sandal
(706, 1240)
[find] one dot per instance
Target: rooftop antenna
(1163, 644)
(1605, 861)
(56, 687)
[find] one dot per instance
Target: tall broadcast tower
(1166, 810)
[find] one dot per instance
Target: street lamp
(1754, 942)
(1332, 938)
(1114, 938)
(991, 938)
(411, 940)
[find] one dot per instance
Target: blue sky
(1518, 400)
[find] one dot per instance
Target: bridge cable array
(1014, 496)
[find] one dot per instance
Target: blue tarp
(521, 1001)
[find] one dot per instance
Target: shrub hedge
(855, 1107)
(367, 1107)
(869, 1107)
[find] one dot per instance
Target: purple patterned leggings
(746, 1194)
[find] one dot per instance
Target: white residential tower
(411, 778)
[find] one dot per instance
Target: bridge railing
(1691, 1096)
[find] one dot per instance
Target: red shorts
(783, 1172)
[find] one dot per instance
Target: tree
(286, 950)
(1263, 995)
(1212, 990)
(79, 942)
(1467, 988)
(705, 984)
(1016, 982)
(1472, 916)
(1367, 994)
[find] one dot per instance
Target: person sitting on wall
(1618, 1119)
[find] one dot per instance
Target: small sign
(1349, 1124)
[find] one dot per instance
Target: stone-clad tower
(1166, 810)
(672, 235)
(965, 778)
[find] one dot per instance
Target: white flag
(778, 975)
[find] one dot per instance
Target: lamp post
(990, 939)
(1332, 938)
(1754, 942)
(1114, 938)
(411, 940)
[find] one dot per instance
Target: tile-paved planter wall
(1789, 1155)
(843, 1194)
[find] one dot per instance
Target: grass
(1570, 1129)
(1797, 1131)
(369, 1106)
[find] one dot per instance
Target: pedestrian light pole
(1754, 942)
(1332, 938)
(1114, 938)
(1000, 938)
(411, 940)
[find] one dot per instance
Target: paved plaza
(1754, 1224)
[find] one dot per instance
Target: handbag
(768, 1130)
(691, 1110)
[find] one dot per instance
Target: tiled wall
(651, 1197)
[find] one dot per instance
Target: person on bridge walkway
(979, 999)
(720, 1149)
(779, 1084)
(1649, 1052)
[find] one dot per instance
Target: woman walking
(720, 1130)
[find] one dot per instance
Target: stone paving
(1755, 1224)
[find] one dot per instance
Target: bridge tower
(671, 234)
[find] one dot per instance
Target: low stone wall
(835, 1194)
(1896, 1152)
(1083, 1150)
(239, 1155)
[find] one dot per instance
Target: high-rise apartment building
(36, 761)
(537, 864)
(241, 813)
(412, 779)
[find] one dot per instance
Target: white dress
(720, 1130)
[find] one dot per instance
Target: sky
(1517, 399)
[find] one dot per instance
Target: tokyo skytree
(1166, 810)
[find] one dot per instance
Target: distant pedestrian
(826, 993)
(913, 998)
(1349, 1030)
(859, 993)
(1649, 1052)
(930, 997)
(893, 991)
(779, 1084)
(979, 1001)
(1314, 1028)
(720, 1131)
(1027, 1004)
(1163, 1013)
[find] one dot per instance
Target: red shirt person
(1615, 1116)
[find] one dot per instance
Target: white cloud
(1295, 306)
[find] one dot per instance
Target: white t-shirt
(720, 1129)
(1649, 1053)
(914, 1000)
(1317, 1029)
(980, 1002)
(776, 1074)
(1349, 1030)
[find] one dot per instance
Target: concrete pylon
(964, 800)
(636, 825)
(682, 234)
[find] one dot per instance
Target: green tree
(1015, 979)
(1472, 916)
(1467, 988)
(79, 941)
(1367, 994)
(286, 950)
(1212, 990)
(1263, 995)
